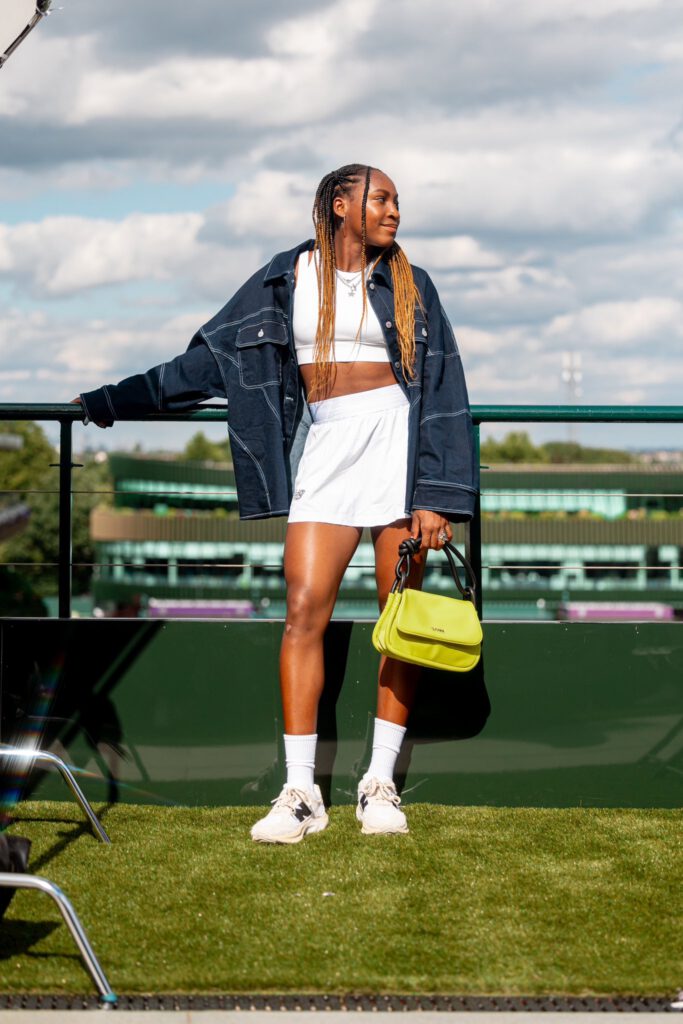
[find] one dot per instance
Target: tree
(21, 471)
(20, 468)
(516, 446)
(200, 449)
(571, 451)
(32, 477)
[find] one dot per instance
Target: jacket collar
(284, 262)
(382, 270)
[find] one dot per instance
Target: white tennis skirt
(355, 460)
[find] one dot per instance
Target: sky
(154, 154)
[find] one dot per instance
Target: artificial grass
(473, 900)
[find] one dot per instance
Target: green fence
(67, 413)
(189, 712)
(559, 714)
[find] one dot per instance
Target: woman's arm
(447, 470)
(178, 384)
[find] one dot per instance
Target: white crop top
(368, 347)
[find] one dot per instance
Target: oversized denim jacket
(246, 354)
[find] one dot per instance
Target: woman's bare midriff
(350, 378)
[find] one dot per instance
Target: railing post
(473, 533)
(65, 506)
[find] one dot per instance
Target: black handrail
(66, 413)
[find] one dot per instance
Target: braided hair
(342, 182)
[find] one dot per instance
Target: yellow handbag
(430, 629)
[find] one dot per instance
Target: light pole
(572, 376)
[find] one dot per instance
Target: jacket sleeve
(178, 384)
(447, 478)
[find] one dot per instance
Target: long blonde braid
(341, 182)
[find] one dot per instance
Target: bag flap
(438, 618)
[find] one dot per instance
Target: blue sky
(153, 155)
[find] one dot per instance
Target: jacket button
(260, 333)
(424, 332)
(371, 286)
(388, 323)
(397, 363)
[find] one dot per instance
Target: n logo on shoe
(363, 801)
(302, 811)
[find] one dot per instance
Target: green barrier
(584, 714)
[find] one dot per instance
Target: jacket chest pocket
(261, 349)
(421, 340)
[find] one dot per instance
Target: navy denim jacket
(246, 354)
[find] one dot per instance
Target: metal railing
(67, 413)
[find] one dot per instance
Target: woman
(347, 408)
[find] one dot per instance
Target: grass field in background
(473, 900)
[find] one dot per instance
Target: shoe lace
(290, 797)
(383, 792)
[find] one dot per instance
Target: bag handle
(410, 547)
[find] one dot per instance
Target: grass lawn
(473, 900)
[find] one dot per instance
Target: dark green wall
(188, 712)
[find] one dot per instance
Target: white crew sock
(300, 760)
(386, 744)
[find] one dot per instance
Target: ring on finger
(443, 536)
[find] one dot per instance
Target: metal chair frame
(16, 880)
(46, 758)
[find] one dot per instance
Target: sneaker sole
(307, 827)
(368, 830)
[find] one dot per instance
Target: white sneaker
(378, 807)
(295, 813)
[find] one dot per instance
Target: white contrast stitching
(109, 402)
(444, 483)
(161, 380)
(443, 508)
(253, 458)
(444, 415)
(249, 316)
(87, 413)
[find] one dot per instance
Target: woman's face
(381, 212)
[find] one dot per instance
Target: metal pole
(473, 533)
(44, 756)
(15, 880)
(42, 10)
(65, 506)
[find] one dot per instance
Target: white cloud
(265, 92)
(474, 342)
(78, 355)
(323, 34)
(63, 256)
(621, 324)
(44, 75)
(537, 149)
(443, 254)
(269, 205)
(513, 292)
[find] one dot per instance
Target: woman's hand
(434, 529)
(77, 401)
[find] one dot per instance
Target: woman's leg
(378, 802)
(397, 679)
(315, 559)
(316, 555)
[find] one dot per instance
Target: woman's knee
(307, 610)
